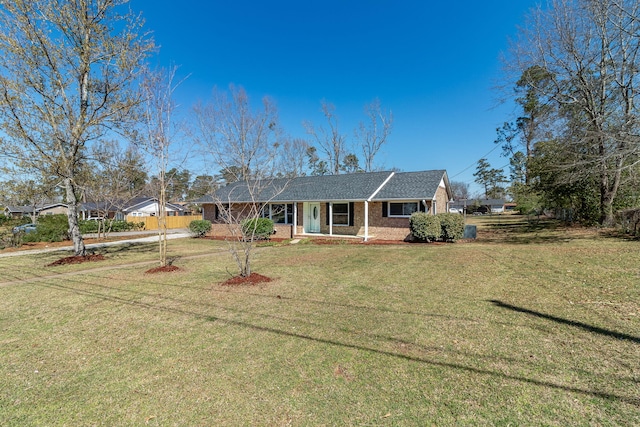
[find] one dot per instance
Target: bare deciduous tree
(32, 190)
(460, 190)
(118, 175)
(159, 136)
(243, 144)
(330, 141)
(333, 154)
(240, 206)
(234, 137)
(65, 78)
(292, 161)
(373, 134)
(590, 54)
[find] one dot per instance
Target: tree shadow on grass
(125, 248)
(522, 232)
(633, 400)
(584, 326)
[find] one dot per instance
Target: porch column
(330, 218)
(366, 220)
(295, 220)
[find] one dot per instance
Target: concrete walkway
(153, 237)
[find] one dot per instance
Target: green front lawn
(526, 326)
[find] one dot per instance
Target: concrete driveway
(153, 237)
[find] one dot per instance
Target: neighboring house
(35, 211)
(54, 209)
(20, 211)
(367, 205)
(100, 210)
(138, 207)
(149, 206)
(480, 205)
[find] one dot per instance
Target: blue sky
(433, 64)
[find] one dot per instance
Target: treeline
(575, 145)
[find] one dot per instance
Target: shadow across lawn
(584, 326)
(522, 231)
(99, 293)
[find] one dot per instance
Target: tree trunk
(608, 192)
(72, 217)
(606, 216)
(162, 222)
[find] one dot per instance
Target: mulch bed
(78, 259)
(227, 238)
(165, 269)
(251, 280)
(340, 241)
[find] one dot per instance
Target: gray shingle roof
(411, 185)
(21, 209)
(348, 187)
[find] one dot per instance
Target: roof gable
(412, 185)
(21, 209)
(142, 202)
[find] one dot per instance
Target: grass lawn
(531, 324)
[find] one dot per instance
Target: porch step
(294, 241)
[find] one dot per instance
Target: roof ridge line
(380, 188)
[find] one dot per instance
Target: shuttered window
(341, 214)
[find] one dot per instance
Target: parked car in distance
(455, 210)
(24, 228)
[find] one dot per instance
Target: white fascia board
(381, 186)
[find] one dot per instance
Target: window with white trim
(402, 209)
(341, 214)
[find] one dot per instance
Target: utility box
(469, 232)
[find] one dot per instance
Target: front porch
(340, 220)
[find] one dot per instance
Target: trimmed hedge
(50, 228)
(199, 227)
(109, 225)
(425, 227)
(452, 225)
(446, 227)
(257, 229)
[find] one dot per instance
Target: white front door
(312, 216)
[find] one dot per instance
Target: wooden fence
(151, 222)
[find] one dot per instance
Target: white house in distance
(149, 206)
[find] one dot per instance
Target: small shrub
(200, 227)
(452, 226)
(7, 239)
(50, 228)
(425, 227)
(121, 226)
(257, 228)
(88, 226)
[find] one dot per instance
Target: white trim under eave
(381, 186)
